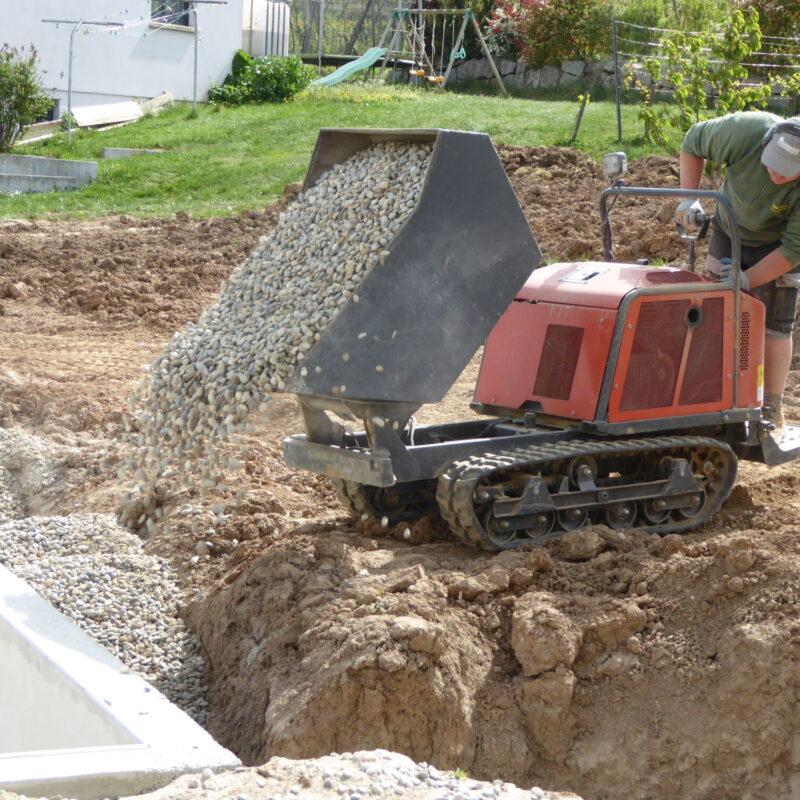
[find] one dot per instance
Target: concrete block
(515, 79)
(549, 77)
(466, 70)
(483, 70)
(76, 721)
(574, 68)
(533, 78)
(505, 67)
(38, 174)
(567, 80)
(28, 184)
(127, 152)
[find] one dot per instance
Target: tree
(708, 76)
(22, 99)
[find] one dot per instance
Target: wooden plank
(157, 103)
(107, 114)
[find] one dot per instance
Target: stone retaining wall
(517, 74)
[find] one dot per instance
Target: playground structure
(425, 41)
(426, 36)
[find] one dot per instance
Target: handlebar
(636, 191)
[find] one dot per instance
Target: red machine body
(607, 342)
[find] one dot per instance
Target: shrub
(271, 79)
(22, 100)
(550, 31)
(776, 17)
(505, 29)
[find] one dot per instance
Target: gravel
(271, 311)
(347, 776)
(95, 572)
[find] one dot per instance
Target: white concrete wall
(42, 709)
(137, 62)
(75, 722)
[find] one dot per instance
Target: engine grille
(562, 346)
(702, 380)
(656, 355)
(744, 341)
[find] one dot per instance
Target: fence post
(617, 85)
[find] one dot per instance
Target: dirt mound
(607, 664)
(595, 664)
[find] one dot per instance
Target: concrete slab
(39, 174)
(76, 721)
(127, 152)
(125, 111)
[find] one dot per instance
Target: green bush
(551, 31)
(22, 100)
(254, 80)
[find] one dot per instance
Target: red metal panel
(596, 283)
(706, 358)
(513, 356)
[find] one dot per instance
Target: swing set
(421, 35)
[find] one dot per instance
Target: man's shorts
(778, 296)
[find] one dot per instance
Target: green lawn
(227, 159)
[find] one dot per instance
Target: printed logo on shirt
(776, 209)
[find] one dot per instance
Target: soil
(609, 664)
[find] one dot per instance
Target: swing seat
(434, 78)
(419, 72)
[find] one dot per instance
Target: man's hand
(687, 211)
(726, 274)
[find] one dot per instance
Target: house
(137, 49)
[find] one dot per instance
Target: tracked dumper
(610, 393)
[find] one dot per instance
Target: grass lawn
(228, 159)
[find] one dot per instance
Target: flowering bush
(505, 28)
(550, 31)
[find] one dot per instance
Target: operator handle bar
(736, 248)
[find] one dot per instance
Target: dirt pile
(610, 665)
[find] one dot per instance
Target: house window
(173, 12)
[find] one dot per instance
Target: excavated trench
(609, 664)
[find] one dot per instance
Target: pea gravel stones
(273, 308)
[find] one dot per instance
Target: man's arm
(770, 267)
(691, 168)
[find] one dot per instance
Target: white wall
(140, 61)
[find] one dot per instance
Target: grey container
(417, 319)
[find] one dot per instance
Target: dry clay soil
(611, 665)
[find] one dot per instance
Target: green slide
(344, 72)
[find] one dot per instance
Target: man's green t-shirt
(765, 212)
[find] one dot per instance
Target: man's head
(781, 154)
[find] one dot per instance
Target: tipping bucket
(416, 320)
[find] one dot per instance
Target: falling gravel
(274, 307)
(95, 572)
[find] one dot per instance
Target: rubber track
(454, 492)
(353, 497)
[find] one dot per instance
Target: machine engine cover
(612, 342)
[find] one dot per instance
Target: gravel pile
(274, 307)
(348, 776)
(95, 572)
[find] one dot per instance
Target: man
(761, 153)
